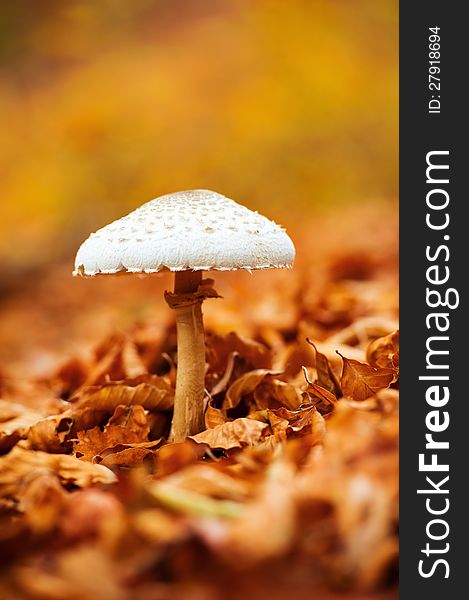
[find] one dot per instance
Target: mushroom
(188, 233)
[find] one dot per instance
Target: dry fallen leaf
(326, 377)
(360, 381)
(50, 434)
(273, 392)
(384, 352)
(15, 421)
(220, 347)
(245, 385)
(21, 463)
(214, 416)
(127, 426)
(232, 434)
(150, 391)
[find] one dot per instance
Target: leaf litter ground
(291, 491)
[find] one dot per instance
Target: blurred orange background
(280, 105)
(290, 108)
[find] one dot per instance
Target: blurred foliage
(280, 105)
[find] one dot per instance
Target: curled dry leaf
(127, 430)
(326, 377)
(278, 426)
(360, 381)
(94, 443)
(289, 358)
(384, 351)
(219, 347)
(273, 392)
(118, 358)
(214, 416)
(150, 391)
(22, 463)
(233, 434)
(246, 384)
(15, 421)
(318, 396)
(301, 418)
(50, 434)
(133, 418)
(130, 455)
(95, 405)
(221, 384)
(306, 420)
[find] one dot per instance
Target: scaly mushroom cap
(197, 229)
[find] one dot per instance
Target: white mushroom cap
(193, 230)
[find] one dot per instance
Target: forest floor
(290, 492)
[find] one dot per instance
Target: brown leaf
(219, 347)
(360, 381)
(133, 418)
(117, 358)
(150, 391)
(15, 421)
(271, 393)
(233, 434)
(326, 377)
(318, 396)
(106, 449)
(131, 456)
(20, 464)
(93, 442)
(318, 426)
(50, 433)
(302, 419)
(279, 426)
(384, 351)
(214, 416)
(224, 381)
(127, 426)
(95, 405)
(246, 384)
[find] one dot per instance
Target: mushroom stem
(188, 417)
